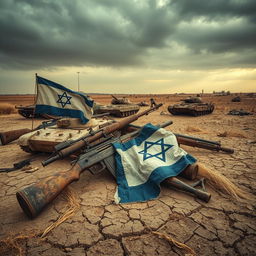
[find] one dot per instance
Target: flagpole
(78, 82)
(35, 93)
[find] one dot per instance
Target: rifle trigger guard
(86, 144)
(104, 134)
(94, 170)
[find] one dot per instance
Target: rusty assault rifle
(34, 198)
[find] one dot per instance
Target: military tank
(192, 106)
(29, 112)
(236, 99)
(66, 129)
(122, 110)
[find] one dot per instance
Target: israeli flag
(145, 161)
(55, 99)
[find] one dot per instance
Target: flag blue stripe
(51, 110)
(151, 188)
(43, 81)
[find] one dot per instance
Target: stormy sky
(129, 46)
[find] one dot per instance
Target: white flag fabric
(55, 99)
(145, 161)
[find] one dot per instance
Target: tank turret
(192, 100)
(121, 110)
(44, 140)
(119, 101)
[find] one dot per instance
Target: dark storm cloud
(226, 26)
(47, 33)
(215, 9)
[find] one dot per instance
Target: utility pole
(78, 82)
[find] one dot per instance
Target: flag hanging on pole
(55, 99)
(145, 161)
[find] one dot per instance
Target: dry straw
(232, 134)
(6, 109)
(14, 244)
(219, 181)
(73, 206)
(193, 129)
(174, 242)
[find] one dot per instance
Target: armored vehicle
(66, 129)
(117, 110)
(236, 99)
(29, 112)
(119, 101)
(188, 107)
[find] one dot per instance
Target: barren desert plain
(98, 226)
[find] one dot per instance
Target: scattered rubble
(240, 112)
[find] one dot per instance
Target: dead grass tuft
(6, 109)
(193, 129)
(232, 134)
(15, 244)
(220, 182)
(172, 241)
(73, 205)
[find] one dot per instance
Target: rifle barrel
(201, 144)
(197, 139)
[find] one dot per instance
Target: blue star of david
(161, 152)
(64, 96)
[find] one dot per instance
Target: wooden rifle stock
(35, 198)
(200, 144)
(9, 136)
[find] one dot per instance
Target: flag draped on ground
(145, 161)
(55, 99)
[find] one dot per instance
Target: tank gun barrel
(114, 97)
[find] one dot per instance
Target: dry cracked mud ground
(223, 226)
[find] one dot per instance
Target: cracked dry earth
(223, 226)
